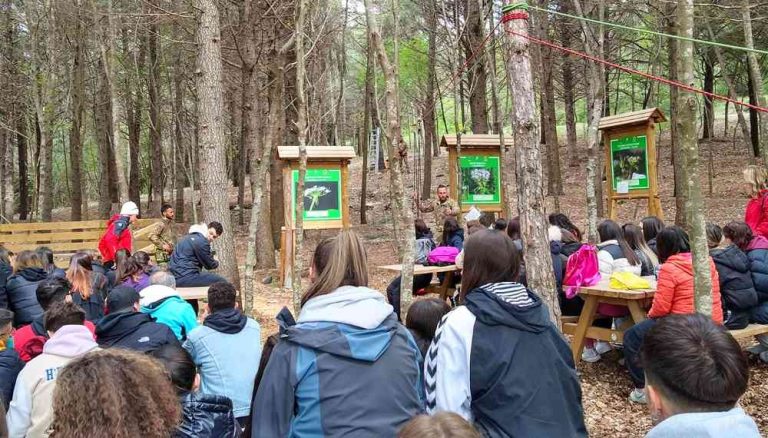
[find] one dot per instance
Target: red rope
(509, 16)
(639, 73)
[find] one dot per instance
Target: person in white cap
(118, 235)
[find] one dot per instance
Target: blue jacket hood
(733, 423)
(157, 305)
(510, 305)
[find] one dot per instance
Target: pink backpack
(582, 270)
(443, 255)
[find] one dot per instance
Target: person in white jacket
(31, 410)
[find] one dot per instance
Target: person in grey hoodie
(347, 368)
(695, 373)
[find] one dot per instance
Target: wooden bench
(193, 293)
(749, 331)
(66, 238)
(444, 289)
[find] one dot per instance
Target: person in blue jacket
(6, 270)
(161, 301)
(21, 288)
(347, 368)
(193, 254)
(10, 362)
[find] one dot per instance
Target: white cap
(129, 209)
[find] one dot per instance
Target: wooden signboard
(474, 176)
(630, 154)
(325, 195)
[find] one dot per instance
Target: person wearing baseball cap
(125, 327)
(118, 235)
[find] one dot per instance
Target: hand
(167, 248)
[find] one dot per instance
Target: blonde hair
(338, 261)
(756, 177)
(26, 259)
(440, 425)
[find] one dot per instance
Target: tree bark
(210, 125)
(101, 116)
(478, 102)
(755, 78)
(428, 113)
(709, 86)
(155, 123)
(368, 102)
(678, 167)
(77, 108)
(569, 100)
(178, 111)
(530, 175)
(21, 145)
(134, 101)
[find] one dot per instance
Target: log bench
(749, 331)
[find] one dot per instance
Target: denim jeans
(633, 340)
(760, 313)
(393, 290)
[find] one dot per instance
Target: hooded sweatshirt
(346, 369)
(133, 331)
(116, 237)
(733, 423)
(528, 388)
(674, 290)
(29, 340)
(757, 252)
(167, 307)
(31, 411)
(756, 214)
(22, 295)
(736, 286)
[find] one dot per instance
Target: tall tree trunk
(755, 77)
(478, 102)
(77, 108)
(101, 118)
(249, 86)
(686, 125)
(21, 145)
(155, 123)
(134, 98)
(674, 135)
(301, 127)
(178, 114)
(368, 98)
(568, 94)
(530, 175)
(709, 86)
(428, 112)
(754, 127)
(210, 125)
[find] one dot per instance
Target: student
(135, 271)
(6, 270)
(347, 353)
(513, 231)
(30, 413)
(122, 256)
(193, 253)
(571, 243)
(714, 236)
(161, 301)
(559, 260)
(10, 362)
(500, 224)
(114, 393)
(472, 229)
(46, 258)
(651, 226)
(453, 234)
(695, 373)
(27, 274)
(223, 350)
(733, 268)
(757, 252)
(96, 264)
(203, 415)
(674, 295)
(562, 221)
(440, 425)
(756, 212)
(467, 373)
(649, 261)
(422, 319)
(125, 327)
(425, 243)
(118, 234)
(29, 340)
(163, 235)
(89, 289)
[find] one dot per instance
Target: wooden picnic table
(193, 293)
(635, 300)
(445, 289)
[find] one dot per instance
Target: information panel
(322, 194)
(629, 163)
(480, 179)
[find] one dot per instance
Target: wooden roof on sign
(316, 153)
(632, 118)
(475, 141)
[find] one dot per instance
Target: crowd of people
(108, 347)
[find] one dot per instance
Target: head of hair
(221, 296)
(217, 227)
(474, 228)
(423, 318)
(131, 389)
(568, 237)
(490, 256)
(144, 260)
(450, 226)
(6, 318)
(46, 258)
(61, 314)
(513, 228)
(52, 290)
(179, 366)
(420, 227)
(79, 273)
(739, 233)
(441, 425)
(756, 177)
(121, 255)
(500, 224)
(670, 241)
(163, 278)
(5, 255)
(714, 235)
(487, 219)
(165, 208)
(610, 230)
(26, 259)
(338, 261)
(694, 363)
(441, 186)
(634, 237)
(651, 227)
(562, 221)
(129, 268)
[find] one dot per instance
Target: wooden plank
(749, 331)
(64, 226)
(475, 140)
(50, 237)
(55, 247)
(603, 334)
(317, 152)
(585, 321)
(193, 293)
(421, 269)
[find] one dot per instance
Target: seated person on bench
(193, 254)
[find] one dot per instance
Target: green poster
(322, 194)
(629, 163)
(480, 180)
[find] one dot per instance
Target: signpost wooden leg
(446, 285)
(585, 322)
(287, 256)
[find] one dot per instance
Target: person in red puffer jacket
(118, 234)
(28, 340)
(756, 214)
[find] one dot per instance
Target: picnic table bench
(444, 289)
(193, 293)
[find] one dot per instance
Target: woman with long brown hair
(135, 271)
(21, 288)
(347, 367)
(89, 289)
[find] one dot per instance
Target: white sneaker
(590, 355)
(602, 347)
(638, 396)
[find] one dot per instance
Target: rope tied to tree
(514, 11)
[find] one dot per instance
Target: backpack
(582, 270)
(443, 255)
(422, 249)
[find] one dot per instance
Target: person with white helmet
(118, 234)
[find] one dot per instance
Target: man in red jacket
(118, 235)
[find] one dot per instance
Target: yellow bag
(628, 281)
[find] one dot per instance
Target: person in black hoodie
(10, 362)
(204, 416)
(28, 272)
(125, 327)
(737, 288)
(527, 388)
(193, 253)
(5, 271)
(46, 257)
(424, 243)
